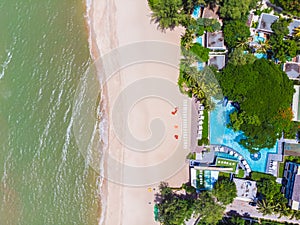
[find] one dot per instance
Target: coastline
(124, 23)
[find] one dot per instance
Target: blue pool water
(221, 135)
(260, 55)
(258, 39)
(196, 12)
(201, 66)
(200, 40)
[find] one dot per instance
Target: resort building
(292, 69)
(215, 41)
(295, 104)
(217, 60)
(266, 20)
(291, 184)
(291, 148)
(246, 189)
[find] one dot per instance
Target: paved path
(244, 209)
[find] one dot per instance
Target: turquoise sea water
(44, 179)
(220, 134)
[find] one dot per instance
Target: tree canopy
(236, 9)
(262, 91)
(167, 13)
(282, 47)
(291, 6)
(235, 31)
(225, 191)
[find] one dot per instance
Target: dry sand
(117, 23)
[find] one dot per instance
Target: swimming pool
(260, 55)
(221, 135)
(196, 12)
(259, 39)
(200, 40)
(201, 65)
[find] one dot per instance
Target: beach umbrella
(200, 122)
(231, 153)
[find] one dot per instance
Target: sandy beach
(133, 172)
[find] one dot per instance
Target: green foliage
(225, 191)
(200, 52)
(263, 91)
(187, 39)
(204, 24)
(238, 57)
(209, 211)
(257, 176)
(241, 173)
(167, 13)
(191, 155)
(173, 209)
(236, 9)
(282, 48)
(291, 6)
(235, 32)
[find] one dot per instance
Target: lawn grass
(240, 174)
(204, 140)
(226, 163)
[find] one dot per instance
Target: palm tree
(263, 46)
(282, 209)
(242, 43)
(297, 32)
(265, 207)
(167, 13)
(187, 39)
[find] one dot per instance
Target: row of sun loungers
(273, 166)
(235, 154)
(200, 121)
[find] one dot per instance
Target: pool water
(200, 40)
(196, 12)
(221, 135)
(260, 55)
(259, 39)
(201, 66)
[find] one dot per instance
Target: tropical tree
(225, 191)
(235, 32)
(264, 46)
(257, 88)
(207, 210)
(187, 39)
(265, 207)
(167, 13)
(297, 32)
(238, 57)
(236, 9)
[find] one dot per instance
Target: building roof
(215, 40)
(296, 189)
(295, 104)
(294, 24)
(266, 21)
(246, 189)
(291, 149)
(292, 70)
(217, 60)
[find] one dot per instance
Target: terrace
(217, 60)
(266, 21)
(246, 189)
(215, 40)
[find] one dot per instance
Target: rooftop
(217, 60)
(296, 189)
(292, 70)
(291, 149)
(266, 21)
(246, 189)
(215, 40)
(294, 24)
(296, 105)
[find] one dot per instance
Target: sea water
(45, 177)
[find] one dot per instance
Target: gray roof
(217, 60)
(215, 40)
(296, 189)
(245, 188)
(266, 21)
(294, 24)
(292, 70)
